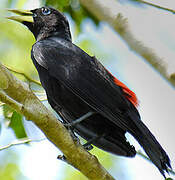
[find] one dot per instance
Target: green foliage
(15, 46)
(79, 14)
(9, 169)
(14, 121)
(74, 9)
(20, 4)
(87, 45)
(57, 4)
(105, 158)
(7, 112)
(168, 179)
(93, 47)
(9, 172)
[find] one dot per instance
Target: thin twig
(23, 74)
(116, 17)
(145, 157)
(156, 6)
(20, 142)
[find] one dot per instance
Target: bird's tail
(151, 146)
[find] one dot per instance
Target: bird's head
(43, 22)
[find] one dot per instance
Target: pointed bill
(21, 18)
(21, 12)
(25, 15)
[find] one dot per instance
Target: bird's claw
(62, 158)
(74, 137)
(68, 125)
(88, 147)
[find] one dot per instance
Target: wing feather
(76, 70)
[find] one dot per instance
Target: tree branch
(17, 94)
(20, 142)
(1, 104)
(104, 11)
(23, 74)
(156, 6)
(24, 141)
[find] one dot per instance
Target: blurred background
(151, 26)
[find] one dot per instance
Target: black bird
(77, 84)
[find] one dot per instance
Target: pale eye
(46, 11)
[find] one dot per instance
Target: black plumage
(76, 83)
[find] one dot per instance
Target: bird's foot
(88, 147)
(62, 158)
(74, 137)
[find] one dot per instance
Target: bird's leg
(77, 121)
(72, 133)
(70, 127)
(87, 146)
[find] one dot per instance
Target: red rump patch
(130, 95)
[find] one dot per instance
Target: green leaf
(168, 179)
(57, 4)
(14, 120)
(79, 13)
(7, 112)
(74, 9)
(9, 3)
(20, 4)
(17, 125)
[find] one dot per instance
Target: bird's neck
(60, 34)
(65, 35)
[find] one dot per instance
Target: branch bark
(18, 95)
(110, 11)
(23, 74)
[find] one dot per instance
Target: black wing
(84, 76)
(89, 80)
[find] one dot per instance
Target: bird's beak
(25, 16)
